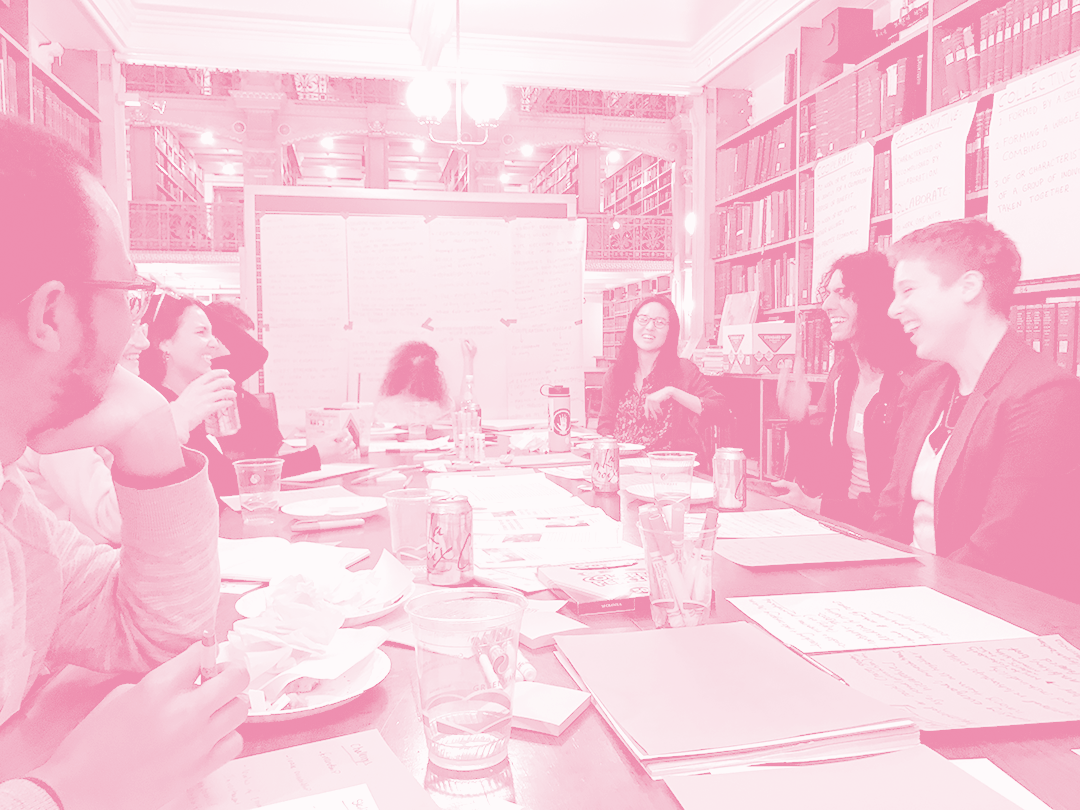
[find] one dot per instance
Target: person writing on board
(178, 363)
(69, 297)
(413, 392)
(842, 446)
(987, 466)
(651, 396)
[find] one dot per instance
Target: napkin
(352, 593)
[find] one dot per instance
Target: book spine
(1066, 336)
(1049, 330)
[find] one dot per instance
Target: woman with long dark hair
(842, 447)
(413, 392)
(652, 396)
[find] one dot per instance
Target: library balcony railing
(182, 227)
(628, 238)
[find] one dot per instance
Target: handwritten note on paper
(317, 772)
(814, 549)
(978, 685)
(872, 619)
(769, 523)
(357, 797)
(843, 184)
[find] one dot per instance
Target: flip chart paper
(872, 619)
(814, 549)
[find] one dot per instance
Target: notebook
(693, 699)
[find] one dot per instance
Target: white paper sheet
(814, 549)
(768, 523)
(872, 619)
(993, 777)
(330, 470)
(260, 559)
(332, 491)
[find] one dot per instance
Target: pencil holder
(678, 556)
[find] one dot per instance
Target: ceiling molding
(741, 31)
(112, 17)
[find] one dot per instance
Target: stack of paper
(695, 699)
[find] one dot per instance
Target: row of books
(881, 193)
(751, 225)
(978, 152)
(775, 449)
(1050, 329)
(773, 277)
(882, 96)
(812, 334)
(1005, 42)
(756, 160)
(59, 118)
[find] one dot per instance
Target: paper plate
(641, 464)
(625, 448)
(330, 695)
(351, 506)
(700, 492)
(253, 603)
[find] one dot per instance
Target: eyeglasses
(138, 293)
(645, 320)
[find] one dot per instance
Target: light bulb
(327, 142)
(527, 150)
(484, 100)
(428, 97)
(690, 223)
(228, 168)
(207, 138)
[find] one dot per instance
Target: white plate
(641, 464)
(332, 694)
(700, 492)
(351, 506)
(253, 603)
(625, 448)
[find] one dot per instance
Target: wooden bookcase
(761, 228)
(455, 174)
(162, 168)
(618, 303)
(559, 175)
(640, 188)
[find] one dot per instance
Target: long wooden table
(588, 766)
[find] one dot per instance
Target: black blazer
(1006, 494)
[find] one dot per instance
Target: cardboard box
(737, 345)
(774, 347)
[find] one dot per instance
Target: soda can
(449, 540)
(225, 421)
(605, 465)
(729, 479)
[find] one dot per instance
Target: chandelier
(429, 97)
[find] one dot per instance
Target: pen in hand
(209, 666)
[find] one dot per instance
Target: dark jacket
(1005, 498)
(820, 459)
(686, 431)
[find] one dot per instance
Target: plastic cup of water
(407, 509)
(466, 656)
(259, 483)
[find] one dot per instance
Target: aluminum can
(449, 540)
(224, 422)
(729, 479)
(605, 465)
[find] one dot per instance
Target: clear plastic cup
(679, 562)
(407, 510)
(672, 474)
(259, 483)
(466, 656)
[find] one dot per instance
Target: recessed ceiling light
(207, 138)
(327, 142)
(419, 146)
(527, 150)
(614, 156)
(228, 168)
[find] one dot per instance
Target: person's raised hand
(654, 402)
(132, 421)
(203, 396)
(793, 393)
(147, 742)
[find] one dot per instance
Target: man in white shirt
(68, 299)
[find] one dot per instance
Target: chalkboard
(339, 280)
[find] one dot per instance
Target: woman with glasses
(178, 363)
(651, 396)
(842, 446)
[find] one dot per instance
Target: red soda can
(449, 541)
(223, 422)
(605, 465)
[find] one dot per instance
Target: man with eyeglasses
(68, 298)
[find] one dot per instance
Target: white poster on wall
(928, 183)
(1035, 167)
(843, 184)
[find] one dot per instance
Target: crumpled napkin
(352, 593)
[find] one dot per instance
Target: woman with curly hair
(842, 446)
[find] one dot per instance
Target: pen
(208, 667)
(326, 525)
(525, 670)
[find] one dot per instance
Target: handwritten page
(315, 770)
(977, 685)
(357, 797)
(769, 523)
(813, 549)
(872, 619)
(843, 184)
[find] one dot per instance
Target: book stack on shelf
(812, 334)
(756, 160)
(640, 188)
(1050, 328)
(978, 152)
(770, 275)
(559, 175)
(455, 174)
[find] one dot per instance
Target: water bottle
(558, 417)
(468, 435)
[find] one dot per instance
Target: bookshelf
(163, 169)
(618, 303)
(640, 188)
(761, 228)
(455, 174)
(559, 175)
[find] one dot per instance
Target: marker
(209, 666)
